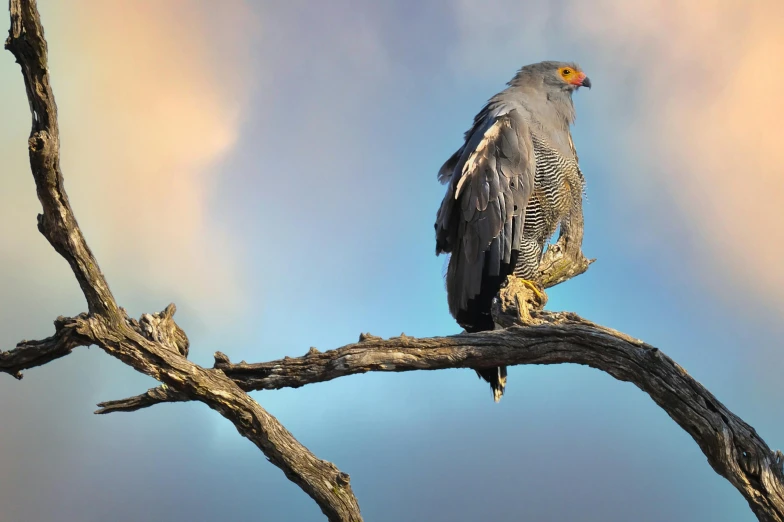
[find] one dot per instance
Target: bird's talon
(534, 288)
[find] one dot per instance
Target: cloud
(150, 96)
(709, 127)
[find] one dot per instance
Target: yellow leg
(520, 297)
(535, 288)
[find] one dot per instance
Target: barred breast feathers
(558, 186)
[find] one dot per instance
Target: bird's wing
(482, 121)
(481, 218)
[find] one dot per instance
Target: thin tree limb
(563, 261)
(149, 398)
(29, 354)
(57, 223)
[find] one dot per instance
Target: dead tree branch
(733, 448)
(29, 354)
(565, 260)
(157, 346)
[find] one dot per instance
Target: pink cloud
(150, 101)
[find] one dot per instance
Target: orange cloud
(710, 109)
(150, 101)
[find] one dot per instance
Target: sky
(270, 167)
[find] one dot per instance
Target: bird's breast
(556, 179)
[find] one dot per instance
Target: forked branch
(155, 345)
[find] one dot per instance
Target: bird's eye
(567, 72)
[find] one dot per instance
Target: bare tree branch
(149, 398)
(561, 262)
(733, 448)
(27, 43)
(155, 345)
(29, 354)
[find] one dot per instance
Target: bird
(508, 187)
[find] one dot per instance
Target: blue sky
(276, 179)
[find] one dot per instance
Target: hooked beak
(586, 82)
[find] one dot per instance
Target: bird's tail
(475, 315)
(495, 376)
(497, 379)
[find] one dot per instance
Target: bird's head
(561, 76)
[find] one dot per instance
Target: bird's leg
(536, 289)
(515, 301)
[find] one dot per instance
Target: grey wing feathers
(446, 170)
(489, 188)
(482, 122)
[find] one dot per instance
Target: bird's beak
(586, 82)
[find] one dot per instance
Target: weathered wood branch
(732, 447)
(149, 398)
(29, 354)
(562, 261)
(57, 223)
(155, 345)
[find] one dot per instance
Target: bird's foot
(516, 300)
(537, 290)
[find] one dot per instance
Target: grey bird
(510, 185)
